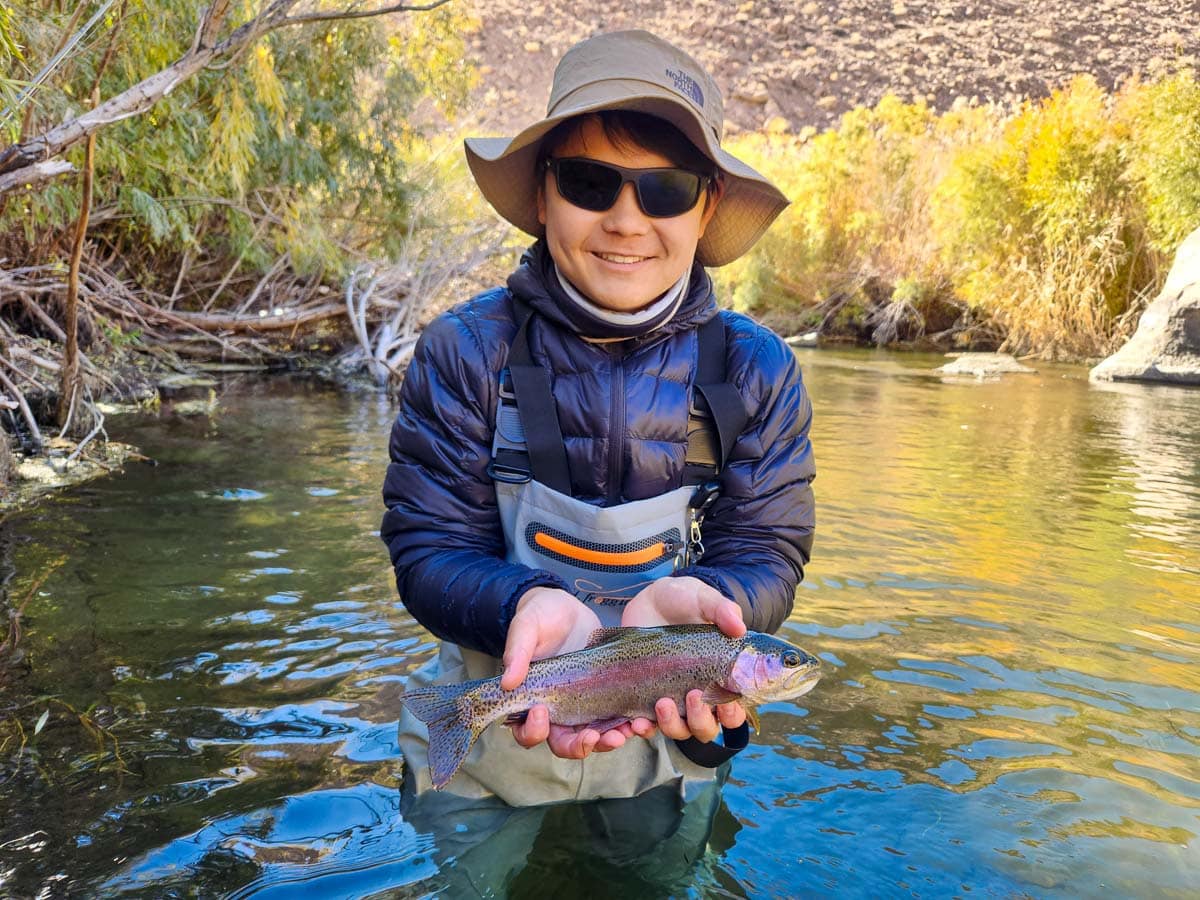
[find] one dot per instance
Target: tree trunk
(72, 383)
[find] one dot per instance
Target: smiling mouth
(619, 258)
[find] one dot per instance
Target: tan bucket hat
(637, 71)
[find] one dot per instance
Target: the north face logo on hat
(686, 84)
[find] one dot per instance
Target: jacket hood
(535, 281)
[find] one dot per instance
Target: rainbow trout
(618, 676)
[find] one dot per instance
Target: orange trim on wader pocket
(600, 557)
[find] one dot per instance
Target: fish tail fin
(446, 709)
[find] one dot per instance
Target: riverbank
(931, 209)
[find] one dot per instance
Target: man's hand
(684, 601)
(687, 601)
(549, 622)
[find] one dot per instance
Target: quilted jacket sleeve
(442, 526)
(758, 535)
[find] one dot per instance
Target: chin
(622, 304)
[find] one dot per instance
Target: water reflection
(1004, 591)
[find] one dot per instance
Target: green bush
(300, 146)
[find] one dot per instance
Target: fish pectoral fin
(714, 694)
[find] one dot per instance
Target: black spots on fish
(449, 743)
(445, 710)
(433, 703)
(604, 636)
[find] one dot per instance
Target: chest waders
(606, 555)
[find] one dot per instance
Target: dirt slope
(805, 62)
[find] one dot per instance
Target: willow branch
(146, 93)
(362, 14)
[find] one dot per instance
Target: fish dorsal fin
(603, 636)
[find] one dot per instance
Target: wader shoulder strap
(537, 409)
(718, 406)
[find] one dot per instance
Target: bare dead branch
(34, 173)
(362, 14)
(26, 413)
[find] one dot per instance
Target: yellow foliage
(267, 87)
(231, 138)
(1050, 219)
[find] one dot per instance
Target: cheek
(685, 233)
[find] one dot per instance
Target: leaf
(41, 722)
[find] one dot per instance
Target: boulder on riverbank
(985, 365)
(1166, 345)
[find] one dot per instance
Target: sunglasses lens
(587, 184)
(670, 193)
(595, 186)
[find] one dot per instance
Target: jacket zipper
(616, 443)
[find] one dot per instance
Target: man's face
(620, 259)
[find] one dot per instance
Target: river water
(1005, 590)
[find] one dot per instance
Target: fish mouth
(802, 681)
(806, 684)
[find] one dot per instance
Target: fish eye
(791, 659)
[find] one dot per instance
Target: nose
(626, 216)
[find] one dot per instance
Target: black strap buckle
(704, 496)
(510, 467)
(506, 388)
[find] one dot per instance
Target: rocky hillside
(797, 63)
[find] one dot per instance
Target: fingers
(571, 744)
(699, 721)
(518, 651)
(670, 722)
(535, 728)
(683, 600)
(643, 728)
(731, 715)
(721, 611)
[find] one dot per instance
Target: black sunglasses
(661, 193)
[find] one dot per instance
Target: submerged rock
(985, 365)
(59, 468)
(1166, 345)
(808, 339)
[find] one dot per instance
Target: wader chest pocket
(637, 556)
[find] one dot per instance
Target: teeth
(616, 258)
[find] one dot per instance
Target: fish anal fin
(603, 725)
(518, 718)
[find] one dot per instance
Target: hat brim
(504, 169)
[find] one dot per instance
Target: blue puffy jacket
(623, 409)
